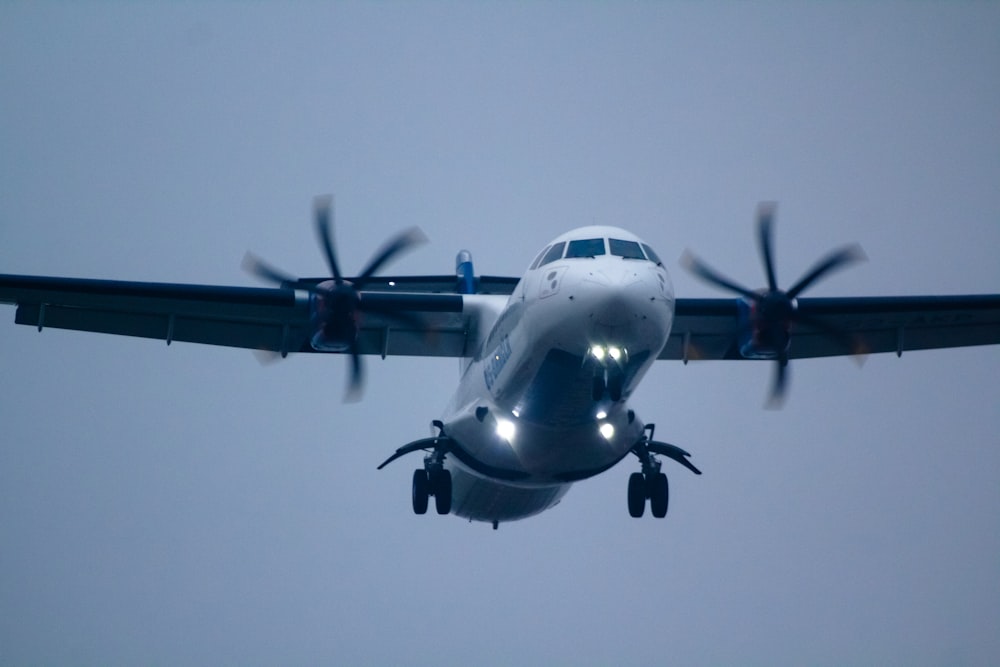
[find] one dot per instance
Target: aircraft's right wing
(709, 328)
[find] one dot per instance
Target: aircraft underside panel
(478, 498)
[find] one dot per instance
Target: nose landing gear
(612, 380)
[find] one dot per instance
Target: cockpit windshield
(553, 253)
(651, 255)
(626, 249)
(585, 248)
(594, 247)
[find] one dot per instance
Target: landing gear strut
(613, 383)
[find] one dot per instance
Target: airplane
(548, 361)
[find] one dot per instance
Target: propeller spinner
(773, 311)
(336, 303)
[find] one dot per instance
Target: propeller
(773, 310)
(337, 304)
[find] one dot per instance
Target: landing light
(601, 352)
(601, 414)
(607, 430)
(505, 429)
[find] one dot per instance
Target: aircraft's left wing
(273, 319)
(709, 328)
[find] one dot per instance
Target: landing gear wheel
(659, 494)
(421, 491)
(441, 484)
(636, 494)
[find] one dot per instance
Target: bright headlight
(505, 429)
(607, 430)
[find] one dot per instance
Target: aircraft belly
(479, 498)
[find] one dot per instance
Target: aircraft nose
(621, 297)
(615, 295)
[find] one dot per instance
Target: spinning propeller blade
(765, 220)
(344, 304)
(323, 209)
(837, 259)
(776, 310)
(255, 266)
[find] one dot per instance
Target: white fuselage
(542, 402)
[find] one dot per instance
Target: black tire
(659, 495)
(442, 491)
(421, 491)
(636, 494)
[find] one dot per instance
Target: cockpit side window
(585, 248)
(626, 249)
(651, 255)
(553, 253)
(538, 260)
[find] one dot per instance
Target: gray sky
(184, 505)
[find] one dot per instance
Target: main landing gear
(651, 484)
(433, 479)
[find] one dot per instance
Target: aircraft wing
(708, 328)
(272, 319)
(277, 319)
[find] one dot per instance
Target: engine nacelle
(760, 335)
(334, 315)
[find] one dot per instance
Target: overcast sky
(185, 505)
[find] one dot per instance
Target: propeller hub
(335, 315)
(770, 323)
(774, 307)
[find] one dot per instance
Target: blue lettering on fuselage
(494, 365)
